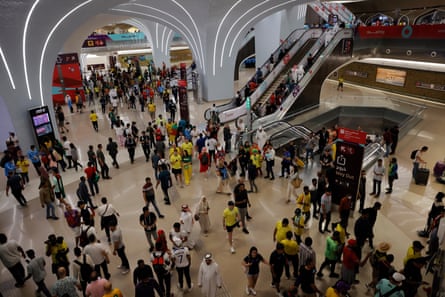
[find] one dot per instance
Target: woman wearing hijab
(202, 215)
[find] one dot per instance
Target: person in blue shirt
(34, 156)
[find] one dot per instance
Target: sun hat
(384, 247)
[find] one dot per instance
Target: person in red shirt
(92, 178)
(351, 262)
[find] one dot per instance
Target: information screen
(391, 76)
(40, 119)
(44, 129)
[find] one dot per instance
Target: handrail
(318, 7)
(292, 38)
(234, 113)
(289, 101)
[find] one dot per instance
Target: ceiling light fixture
(25, 31)
(11, 80)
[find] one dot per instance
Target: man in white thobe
(261, 137)
(209, 278)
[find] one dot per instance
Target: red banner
(350, 135)
(403, 32)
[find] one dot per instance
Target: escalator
(299, 55)
(230, 111)
(306, 93)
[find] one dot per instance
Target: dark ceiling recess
(385, 6)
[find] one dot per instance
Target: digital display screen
(391, 76)
(40, 119)
(44, 129)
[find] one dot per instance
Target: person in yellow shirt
(187, 146)
(339, 289)
(298, 222)
(187, 166)
(281, 228)
(291, 252)
(93, 118)
(304, 201)
(414, 251)
(152, 110)
(256, 160)
(170, 132)
(172, 150)
(22, 166)
(231, 219)
(176, 163)
(110, 292)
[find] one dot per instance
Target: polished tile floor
(402, 213)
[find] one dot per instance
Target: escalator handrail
(288, 102)
(240, 110)
(263, 67)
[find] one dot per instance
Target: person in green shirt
(331, 254)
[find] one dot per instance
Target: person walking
(47, 198)
(331, 255)
(307, 279)
(304, 202)
(161, 262)
(108, 215)
(92, 178)
(182, 260)
(93, 118)
(148, 195)
(130, 144)
(95, 288)
(209, 276)
(148, 285)
(277, 262)
(104, 169)
(202, 215)
(36, 270)
(75, 156)
(231, 219)
(164, 179)
(34, 156)
(291, 253)
(147, 220)
(119, 247)
(82, 267)
(99, 255)
(10, 255)
(251, 265)
(378, 173)
(65, 286)
(82, 192)
(15, 184)
(392, 174)
(241, 202)
(112, 149)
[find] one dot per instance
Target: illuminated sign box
(391, 76)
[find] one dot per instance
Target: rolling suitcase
(439, 168)
(422, 176)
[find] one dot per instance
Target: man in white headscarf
(209, 277)
(261, 137)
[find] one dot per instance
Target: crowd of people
(173, 148)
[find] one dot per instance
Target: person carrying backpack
(161, 262)
(82, 267)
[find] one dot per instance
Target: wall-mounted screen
(44, 129)
(391, 76)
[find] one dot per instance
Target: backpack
(205, 159)
(85, 268)
(73, 221)
(413, 154)
(158, 263)
(83, 239)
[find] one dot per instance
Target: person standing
(325, 211)
(231, 219)
(378, 173)
(57, 248)
(82, 192)
(387, 139)
(304, 202)
(361, 194)
(119, 247)
(22, 166)
(291, 252)
(93, 118)
(227, 138)
(82, 268)
(241, 202)
(91, 173)
(261, 137)
(351, 262)
(419, 160)
(187, 166)
(15, 184)
(47, 199)
(307, 279)
(391, 287)
(34, 156)
(96, 286)
(202, 215)
(148, 194)
(73, 218)
(269, 155)
(65, 286)
(176, 163)
(112, 149)
(182, 260)
(395, 138)
(372, 218)
(10, 255)
(109, 291)
(67, 151)
(147, 220)
(392, 174)
(209, 277)
(130, 144)
(277, 262)
(99, 255)
(164, 179)
(362, 229)
(104, 169)
(252, 268)
(36, 270)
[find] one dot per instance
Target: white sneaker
(125, 271)
(119, 267)
(247, 291)
(232, 249)
(252, 291)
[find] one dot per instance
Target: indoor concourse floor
(403, 212)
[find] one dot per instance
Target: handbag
(197, 217)
(296, 182)
(96, 177)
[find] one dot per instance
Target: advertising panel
(391, 76)
(430, 31)
(66, 78)
(351, 135)
(42, 124)
(348, 164)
